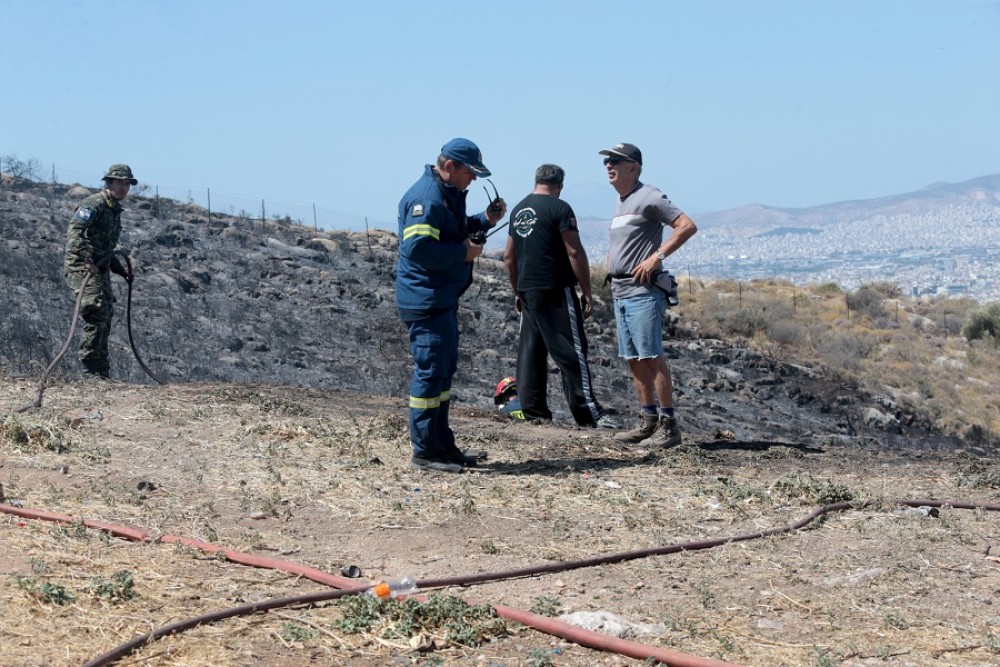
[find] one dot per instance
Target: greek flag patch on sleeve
(418, 210)
(84, 213)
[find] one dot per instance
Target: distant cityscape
(954, 251)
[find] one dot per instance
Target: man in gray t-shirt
(636, 254)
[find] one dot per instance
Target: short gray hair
(550, 174)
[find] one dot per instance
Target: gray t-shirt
(636, 234)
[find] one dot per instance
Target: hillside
(281, 436)
(237, 300)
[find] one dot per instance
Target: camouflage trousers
(96, 309)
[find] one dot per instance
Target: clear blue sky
(340, 104)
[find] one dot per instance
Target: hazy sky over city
(340, 104)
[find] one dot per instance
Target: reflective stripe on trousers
(434, 348)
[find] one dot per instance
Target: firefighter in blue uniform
(434, 270)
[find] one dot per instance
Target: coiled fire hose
(72, 330)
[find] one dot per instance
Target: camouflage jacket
(93, 232)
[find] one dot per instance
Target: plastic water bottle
(394, 588)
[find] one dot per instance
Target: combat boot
(646, 428)
(667, 434)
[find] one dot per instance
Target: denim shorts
(640, 325)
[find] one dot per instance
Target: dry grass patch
(872, 335)
(320, 478)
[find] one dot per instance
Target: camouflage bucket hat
(122, 171)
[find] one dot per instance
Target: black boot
(95, 371)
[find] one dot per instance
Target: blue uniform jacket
(432, 272)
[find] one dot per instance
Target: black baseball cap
(628, 151)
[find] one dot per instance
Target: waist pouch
(667, 283)
(661, 280)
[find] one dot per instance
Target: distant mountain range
(985, 189)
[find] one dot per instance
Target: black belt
(616, 276)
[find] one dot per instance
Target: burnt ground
(221, 298)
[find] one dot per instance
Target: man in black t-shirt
(545, 262)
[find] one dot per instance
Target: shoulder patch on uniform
(418, 210)
(85, 212)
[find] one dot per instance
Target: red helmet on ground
(504, 387)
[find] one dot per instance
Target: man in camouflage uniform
(92, 237)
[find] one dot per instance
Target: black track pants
(552, 325)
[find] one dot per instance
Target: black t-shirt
(536, 225)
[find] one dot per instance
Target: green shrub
(49, 593)
(459, 622)
(119, 587)
(984, 324)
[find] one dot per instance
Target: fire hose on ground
(545, 624)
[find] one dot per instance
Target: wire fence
(214, 201)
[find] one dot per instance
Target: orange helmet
(505, 386)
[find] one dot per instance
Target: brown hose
(62, 352)
(243, 610)
(72, 330)
(128, 321)
(549, 625)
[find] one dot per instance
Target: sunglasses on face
(615, 160)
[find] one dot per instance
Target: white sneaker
(607, 421)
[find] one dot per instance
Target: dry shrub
(948, 314)
(786, 332)
(746, 315)
(847, 350)
(885, 289)
(27, 433)
(861, 335)
(867, 301)
(901, 348)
